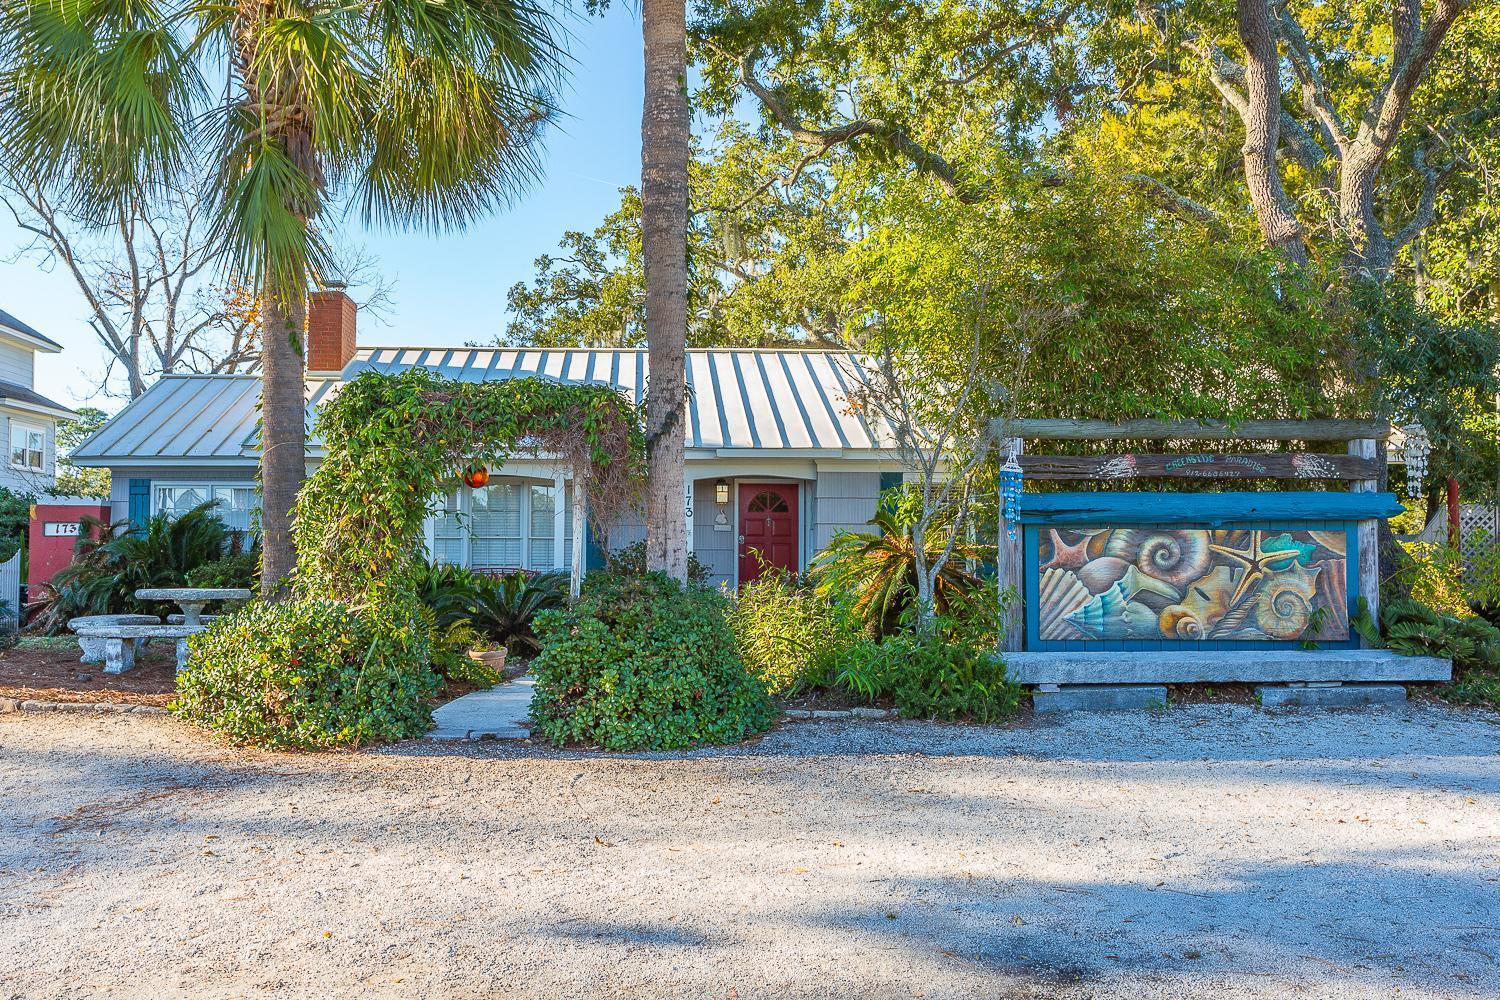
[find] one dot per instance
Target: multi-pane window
(506, 525)
(27, 446)
(237, 505)
(450, 542)
(496, 539)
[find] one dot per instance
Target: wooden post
(1455, 516)
(560, 515)
(1009, 573)
(1368, 534)
(580, 529)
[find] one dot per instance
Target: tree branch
(889, 134)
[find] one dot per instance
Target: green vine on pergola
(396, 442)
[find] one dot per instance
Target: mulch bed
(45, 675)
(828, 700)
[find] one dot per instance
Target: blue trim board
(1204, 510)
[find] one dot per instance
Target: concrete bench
(182, 619)
(120, 642)
(93, 649)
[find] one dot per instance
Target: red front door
(768, 528)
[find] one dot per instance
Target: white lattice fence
(1479, 541)
(10, 588)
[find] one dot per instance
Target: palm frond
(96, 98)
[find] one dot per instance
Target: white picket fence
(10, 587)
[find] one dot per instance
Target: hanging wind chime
(1414, 453)
(1012, 480)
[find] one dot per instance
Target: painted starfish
(1256, 562)
(1065, 556)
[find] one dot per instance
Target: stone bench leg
(119, 655)
(182, 653)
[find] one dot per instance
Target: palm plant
(505, 606)
(425, 112)
(113, 561)
(449, 592)
(876, 571)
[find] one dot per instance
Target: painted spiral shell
(1178, 622)
(1283, 608)
(1178, 557)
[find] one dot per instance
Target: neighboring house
(776, 462)
(29, 419)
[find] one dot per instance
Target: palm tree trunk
(664, 210)
(283, 462)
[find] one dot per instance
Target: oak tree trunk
(1273, 208)
(664, 211)
(283, 462)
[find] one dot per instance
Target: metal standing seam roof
(198, 418)
(738, 399)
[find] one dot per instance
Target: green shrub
(310, 674)
(241, 569)
(450, 646)
(932, 678)
(875, 572)
(788, 634)
(448, 590)
(1433, 577)
(631, 561)
(15, 520)
(1472, 643)
(640, 663)
(500, 608)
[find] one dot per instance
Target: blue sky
(450, 288)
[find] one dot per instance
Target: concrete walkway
(503, 713)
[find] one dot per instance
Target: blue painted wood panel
(1204, 510)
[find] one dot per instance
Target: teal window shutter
(890, 481)
(140, 502)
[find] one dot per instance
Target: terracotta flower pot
(492, 658)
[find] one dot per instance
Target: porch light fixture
(721, 492)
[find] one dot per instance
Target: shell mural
(1192, 585)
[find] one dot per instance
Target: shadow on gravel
(1381, 921)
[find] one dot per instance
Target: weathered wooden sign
(1270, 465)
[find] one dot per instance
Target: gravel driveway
(1207, 852)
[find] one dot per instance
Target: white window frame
(562, 524)
(30, 428)
(207, 486)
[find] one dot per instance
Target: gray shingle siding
(844, 501)
(715, 549)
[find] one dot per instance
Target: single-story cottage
(777, 462)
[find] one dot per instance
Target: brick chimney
(330, 329)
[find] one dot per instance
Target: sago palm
(876, 571)
(422, 112)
